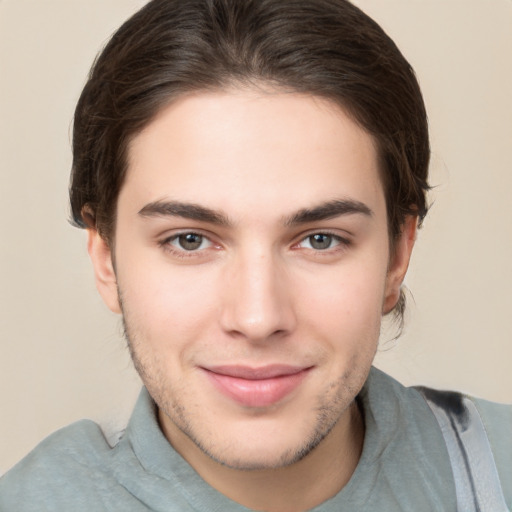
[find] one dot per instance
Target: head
(175, 67)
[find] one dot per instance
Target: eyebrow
(328, 210)
(200, 213)
(186, 210)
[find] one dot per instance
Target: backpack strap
(476, 478)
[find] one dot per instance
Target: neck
(301, 486)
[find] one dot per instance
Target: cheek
(354, 290)
(165, 304)
(346, 305)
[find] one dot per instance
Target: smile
(256, 387)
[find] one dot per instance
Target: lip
(256, 387)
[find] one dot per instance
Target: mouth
(256, 387)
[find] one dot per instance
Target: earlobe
(399, 262)
(105, 276)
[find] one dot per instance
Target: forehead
(247, 150)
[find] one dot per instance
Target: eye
(321, 241)
(189, 242)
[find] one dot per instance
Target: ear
(101, 257)
(399, 262)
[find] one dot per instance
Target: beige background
(61, 354)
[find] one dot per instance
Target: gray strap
(477, 482)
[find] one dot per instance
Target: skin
(264, 171)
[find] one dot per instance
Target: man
(251, 175)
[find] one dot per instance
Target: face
(252, 263)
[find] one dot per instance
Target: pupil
(190, 241)
(320, 241)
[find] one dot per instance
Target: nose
(257, 302)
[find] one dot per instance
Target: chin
(263, 447)
(261, 460)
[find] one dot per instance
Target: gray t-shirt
(404, 465)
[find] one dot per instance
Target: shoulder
(66, 464)
(476, 427)
(497, 420)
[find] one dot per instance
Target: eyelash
(183, 253)
(342, 244)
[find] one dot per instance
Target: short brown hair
(328, 48)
